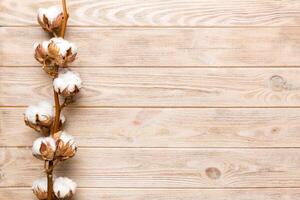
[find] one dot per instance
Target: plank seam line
(172, 67)
(168, 188)
(168, 107)
(154, 27)
(168, 148)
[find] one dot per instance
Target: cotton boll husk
(50, 13)
(46, 108)
(64, 188)
(45, 45)
(46, 140)
(39, 188)
(68, 139)
(40, 183)
(40, 112)
(66, 146)
(31, 113)
(67, 83)
(44, 148)
(41, 13)
(64, 45)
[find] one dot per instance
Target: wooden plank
(161, 168)
(160, 13)
(169, 87)
(164, 127)
(164, 194)
(157, 47)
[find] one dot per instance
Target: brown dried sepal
(40, 194)
(53, 27)
(67, 94)
(46, 152)
(64, 151)
(67, 197)
(40, 126)
(53, 50)
(48, 63)
(50, 68)
(70, 57)
(40, 54)
(62, 61)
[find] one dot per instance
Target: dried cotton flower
(39, 188)
(41, 113)
(50, 18)
(44, 148)
(62, 51)
(64, 188)
(41, 51)
(67, 83)
(40, 116)
(66, 146)
(56, 51)
(41, 55)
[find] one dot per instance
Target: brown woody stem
(50, 180)
(55, 127)
(66, 16)
(57, 113)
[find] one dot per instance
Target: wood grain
(165, 194)
(181, 100)
(161, 168)
(160, 13)
(156, 47)
(166, 87)
(158, 127)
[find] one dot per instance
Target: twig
(57, 111)
(49, 180)
(66, 102)
(66, 16)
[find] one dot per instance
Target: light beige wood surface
(153, 47)
(166, 194)
(167, 87)
(182, 100)
(162, 167)
(156, 127)
(160, 13)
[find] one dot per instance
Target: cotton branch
(57, 146)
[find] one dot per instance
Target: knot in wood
(277, 83)
(213, 173)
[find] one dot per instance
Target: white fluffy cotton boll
(64, 45)
(67, 83)
(62, 51)
(44, 45)
(68, 139)
(44, 148)
(64, 188)
(41, 113)
(50, 13)
(50, 18)
(41, 51)
(39, 188)
(66, 146)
